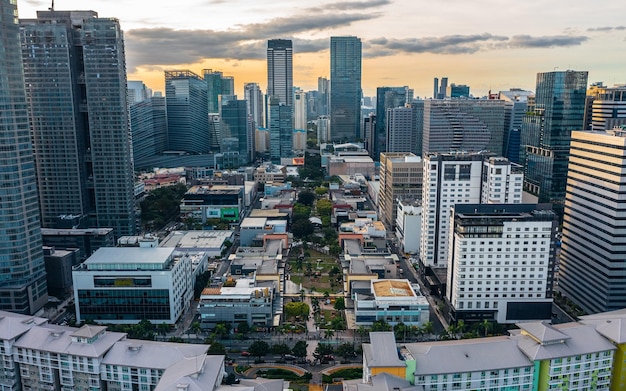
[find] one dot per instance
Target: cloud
(166, 46)
(466, 44)
(448, 44)
(527, 41)
(606, 28)
(356, 5)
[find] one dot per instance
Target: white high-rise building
(300, 110)
(592, 269)
(461, 178)
(254, 97)
(501, 262)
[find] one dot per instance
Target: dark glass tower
(22, 271)
(280, 125)
(345, 88)
(235, 125)
(75, 72)
(280, 70)
(386, 98)
(559, 108)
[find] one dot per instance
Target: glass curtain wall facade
(345, 89)
(22, 272)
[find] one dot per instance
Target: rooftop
(382, 350)
(197, 239)
(392, 288)
(215, 189)
(110, 258)
(151, 354)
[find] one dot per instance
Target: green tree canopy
(321, 190)
(306, 197)
(302, 228)
(281, 348)
(259, 348)
(340, 304)
(295, 309)
(299, 349)
(346, 350)
(324, 207)
(216, 349)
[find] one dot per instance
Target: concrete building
(470, 125)
(280, 127)
(400, 179)
(148, 125)
(87, 241)
(345, 88)
(252, 228)
(254, 99)
(351, 165)
(280, 71)
(75, 77)
(126, 285)
(23, 275)
(401, 130)
(592, 271)
(299, 139)
(241, 300)
(214, 202)
(409, 226)
(515, 103)
(608, 107)
(323, 129)
(59, 264)
(210, 242)
(392, 301)
(460, 178)
(300, 111)
(501, 262)
(387, 98)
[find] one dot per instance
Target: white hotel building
(501, 261)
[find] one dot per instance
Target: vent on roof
(182, 387)
(56, 333)
(134, 348)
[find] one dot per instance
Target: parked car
(245, 354)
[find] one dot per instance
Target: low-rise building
(408, 225)
(126, 285)
(214, 202)
(270, 173)
(254, 228)
(241, 300)
(210, 242)
(392, 301)
(59, 264)
(87, 241)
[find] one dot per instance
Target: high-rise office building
(387, 98)
(459, 91)
(592, 269)
(323, 92)
(558, 108)
(23, 274)
(75, 72)
(607, 108)
(236, 124)
(442, 92)
(515, 103)
(435, 87)
(461, 178)
(148, 124)
(280, 70)
(254, 97)
(214, 87)
(345, 88)
(470, 125)
(280, 121)
(401, 130)
(400, 179)
(137, 92)
(187, 112)
(300, 110)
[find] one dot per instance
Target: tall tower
(280, 70)
(235, 121)
(401, 130)
(387, 98)
(345, 88)
(300, 110)
(254, 97)
(559, 108)
(23, 275)
(400, 180)
(75, 72)
(280, 125)
(592, 269)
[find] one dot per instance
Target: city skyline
(495, 50)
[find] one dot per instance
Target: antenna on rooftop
(52, 7)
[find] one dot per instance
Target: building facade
(401, 130)
(501, 262)
(148, 125)
(558, 108)
(608, 108)
(280, 127)
(81, 134)
(592, 271)
(391, 301)
(387, 98)
(280, 70)
(125, 285)
(345, 88)
(400, 179)
(23, 276)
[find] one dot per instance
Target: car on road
(245, 354)
(290, 357)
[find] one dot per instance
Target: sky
(486, 44)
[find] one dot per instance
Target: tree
(259, 349)
(243, 328)
(428, 327)
(486, 325)
(346, 350)
(340, 304)
(337, 324)
(300, 212)
(221, 330)
(281, 348)
(323, 349)
(321, 190)
(299, 349)
(381, 325)
(400, 330)
(362, 331)
(217, 349)
(329, 333)
(195, 327)
(230, 379)
(306, 198)
(302, 228)
(324, 207)
(297, 309)
(163, 328)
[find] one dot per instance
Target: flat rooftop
(392, 288)
(197, 239)
(109, 258)
(215, 189)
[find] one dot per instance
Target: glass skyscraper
(387, 98)
(280, 70)
(558, 108)
(345, 88)
(22, 271)
(75, 72)
(235, 124)
(281, 130)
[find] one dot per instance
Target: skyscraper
(592, 268)
(323, 91)
(187, 112)
(401, 130)
(515, 103)
(470, 125)
(345, 88)
(75, 72)
(459, 91)
(559, 108)
(23, 274)
(236, 124)
(387, 98)
(400, 180)
(608, 107)
(254, 97)
(280, 70)
(300, 110)
(148, 124)
(280, 126)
